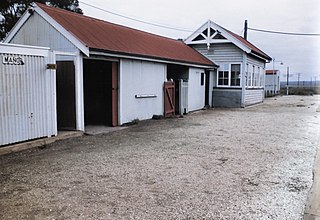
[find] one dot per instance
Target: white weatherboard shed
(272, 82)
(239, 80)
(110, 74)
(27, 94)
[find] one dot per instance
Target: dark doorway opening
(97, 92)
(66, 108)
(207, 84)
(178, 73)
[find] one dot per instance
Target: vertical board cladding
(141, 90)
(27, 96)
(196, 89)
(253, 96)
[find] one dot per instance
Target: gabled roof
(99, 35)
(211, 32)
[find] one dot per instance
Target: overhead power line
(135, 19)
(185, 30)
(284, 33)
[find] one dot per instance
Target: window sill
(251, 88)
(234, 87)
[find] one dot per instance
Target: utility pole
(273, 71)
(299, 79)
(287, 80)
(245, 35)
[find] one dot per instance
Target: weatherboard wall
(253, 96)
(222, 52)
(141, 89)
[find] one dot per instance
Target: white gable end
(211, 33)
(39, 29)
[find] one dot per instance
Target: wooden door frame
(115, 94)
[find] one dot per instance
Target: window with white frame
(247, 74)
(223, 75)
(261, 77)
(235, 74)
(255, 76)
(229, 75)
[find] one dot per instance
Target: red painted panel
(115, 90)
(169, 99)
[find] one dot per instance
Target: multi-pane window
(261, 79)
(223, 75)
(229, 75)
(235, 74)
(255, 76)
(247, 74)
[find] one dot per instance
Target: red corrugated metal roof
(254, 49)
(270, 72)
(101, 35)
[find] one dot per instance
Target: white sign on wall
(13, 60)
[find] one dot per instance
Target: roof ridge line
(103, 21)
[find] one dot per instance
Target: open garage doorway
(180, 75)
(100, 92)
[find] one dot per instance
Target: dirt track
(253, 163)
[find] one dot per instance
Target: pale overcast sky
(300, 53)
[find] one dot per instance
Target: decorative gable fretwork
(211, 33)
(206, 34)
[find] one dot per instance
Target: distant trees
(12, 10)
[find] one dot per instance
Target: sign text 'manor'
(13, 60)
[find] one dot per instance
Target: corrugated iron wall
(27, 98)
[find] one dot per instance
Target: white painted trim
(108, 59)
(211, 76)
(223, 32)
(189, 39)
(80, 45)
(120, 99)
(62, 53)
(213, 41)
(150, 59)
(243, 81)
(53, 107)
(80, 124)
(24, 50)
(17, 26)
(229, 75)
(74, 40)
(267, 61)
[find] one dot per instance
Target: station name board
(13, 60)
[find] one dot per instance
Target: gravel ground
(253, 163)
